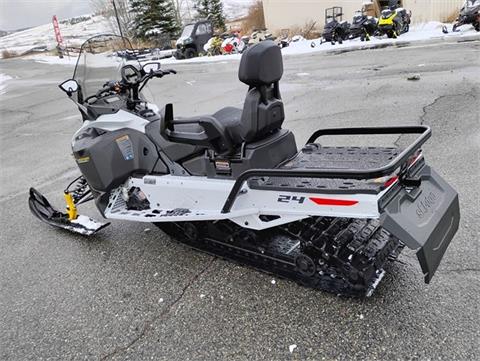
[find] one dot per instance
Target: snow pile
(3, 80)
(43, 36)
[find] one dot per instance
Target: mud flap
(425, 218)
(41, 208)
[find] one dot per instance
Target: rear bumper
(425, 218)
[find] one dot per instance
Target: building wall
(287, 14)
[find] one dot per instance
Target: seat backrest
(261, 68)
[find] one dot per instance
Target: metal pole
(118, 20)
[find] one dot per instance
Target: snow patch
(3, 80)
(292, 348)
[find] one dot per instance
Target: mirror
(130, 74)
(69, 86)
(151, 67)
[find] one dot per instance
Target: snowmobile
(469, 14)
(335, 30)
(234, 184)
(363, 26)
(213, 46)
(393, 22)
(233, 44)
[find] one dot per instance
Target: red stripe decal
(390, 182)
(333, 202)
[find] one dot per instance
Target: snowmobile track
(337, 255)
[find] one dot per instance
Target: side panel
(174, 198)
(107, 159)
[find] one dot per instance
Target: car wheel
(190, 53)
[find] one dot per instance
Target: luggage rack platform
(317, 157)
(376, 163)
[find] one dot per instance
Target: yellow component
(83, 160)
(387, 21)
(71, 208)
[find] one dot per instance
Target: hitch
(411, 181)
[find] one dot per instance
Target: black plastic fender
(425, 218)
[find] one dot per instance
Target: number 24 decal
(290, 199)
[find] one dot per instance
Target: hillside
(74, 34)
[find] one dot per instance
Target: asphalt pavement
(130, 292)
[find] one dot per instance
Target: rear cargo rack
(424, 131)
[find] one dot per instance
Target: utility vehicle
(194, 37)
(234, 183)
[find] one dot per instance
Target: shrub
(6, 54)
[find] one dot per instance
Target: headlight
(184, 41)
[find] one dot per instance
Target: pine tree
(157, 15)
(213, 11)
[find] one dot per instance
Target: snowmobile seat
(261, 68)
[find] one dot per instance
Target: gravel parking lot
(130, 292)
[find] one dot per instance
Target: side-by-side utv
(193, 39)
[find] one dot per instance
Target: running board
(42, 209)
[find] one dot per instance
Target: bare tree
(125, 16)
(255, 18)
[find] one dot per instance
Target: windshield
(387, 13)
(100, 61)
(187, 31)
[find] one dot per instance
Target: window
(201, 29)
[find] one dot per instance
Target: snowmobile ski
(41, 208)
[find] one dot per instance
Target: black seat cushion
(231, 118)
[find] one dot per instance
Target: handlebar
(154, 74)
(111, 86)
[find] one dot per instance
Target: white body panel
(174, 199)
(119, 120)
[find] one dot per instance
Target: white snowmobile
(233, 183)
